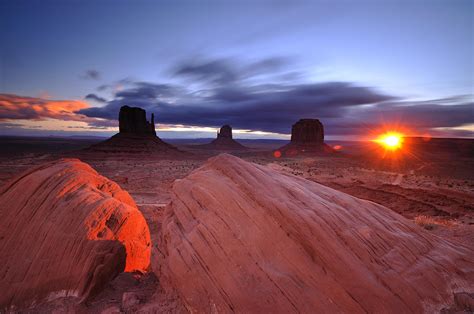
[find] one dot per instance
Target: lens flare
(390, 140)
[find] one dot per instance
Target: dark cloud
(145, 90)
(420, 116)
(344, 108)
(95, 98)
(227, 70)
(250, 96)
(424, 115)
(267, 65)
(103, 87)
(266, 108)
(217, 71)
(91, 75)
(116, 85)
(103, 123)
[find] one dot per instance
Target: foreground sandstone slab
(242, 237)
(66, 231)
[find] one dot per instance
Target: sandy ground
(441, 187)
(435, 190)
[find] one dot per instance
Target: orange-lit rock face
(65, 230)
(240, 237)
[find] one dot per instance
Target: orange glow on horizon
(390, 140)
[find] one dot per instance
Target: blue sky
(408, 53)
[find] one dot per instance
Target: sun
(390, 140)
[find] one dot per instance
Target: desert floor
(432, 186)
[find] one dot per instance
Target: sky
(66, 67)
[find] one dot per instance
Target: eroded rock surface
(66, 231)
(242, 237)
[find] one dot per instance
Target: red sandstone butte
(66, 231)
(136, 136)
(307, 137)
(225, 141)
(240, 237)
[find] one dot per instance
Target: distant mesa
(224, 140)
(136, 135)
(66, 231)
(307, 131)
(225, 132)
(132, 120)
(307, 136)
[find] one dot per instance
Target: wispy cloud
(91, 75)
(96, 98)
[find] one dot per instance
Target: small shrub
(429, 223)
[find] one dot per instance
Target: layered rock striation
(66, 231)
(241, 237)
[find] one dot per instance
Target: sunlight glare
(390, 140)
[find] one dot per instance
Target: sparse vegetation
(429, 223)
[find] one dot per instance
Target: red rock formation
(307, 136)
(225, 132)
(240, 237)
(66, 231)
(136, 136)
(307, 131)
(132, 120)
(224, 140)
